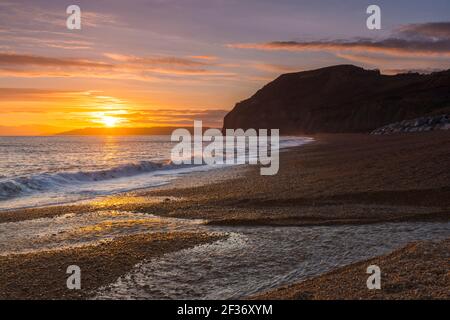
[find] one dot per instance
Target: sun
(109, 121)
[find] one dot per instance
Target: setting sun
(110, 118)
(109, 121)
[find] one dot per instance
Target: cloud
(395, 47)
(156, 61)
(123, 67)
(29, 94)
(167, 64)
(35, 66)
(209, 58)
(83, 106)
(411, 40)
(49, 39)
(11, 59)
(211, 118)
(39, 101)
(431, 30)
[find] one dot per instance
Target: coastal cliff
(342, 98)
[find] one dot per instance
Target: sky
(144, 63)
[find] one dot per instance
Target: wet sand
(417, 271)
(42, 275)
(339, 179)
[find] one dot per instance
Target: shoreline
(397, 181)
(43, 274)
(228, 196)
(137, 176)
(417, 271)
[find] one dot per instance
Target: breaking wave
(46, 181)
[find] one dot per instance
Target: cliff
(342, 98)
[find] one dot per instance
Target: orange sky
(143, 63)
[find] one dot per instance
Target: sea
(41, 171)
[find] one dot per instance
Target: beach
(417, 271)
(207, 151)
(335, 181)
(43, 275)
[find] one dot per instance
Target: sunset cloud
(208, 58)
(154, 61)
(395, 47)
(431, 30)
(87, 107)
(212, 118)
(411, 40)
(32, 94)
(117, 67)
(12, 59)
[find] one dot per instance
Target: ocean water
(257, 259)
(38, 171)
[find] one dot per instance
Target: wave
(46, 181)
(63, 181)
